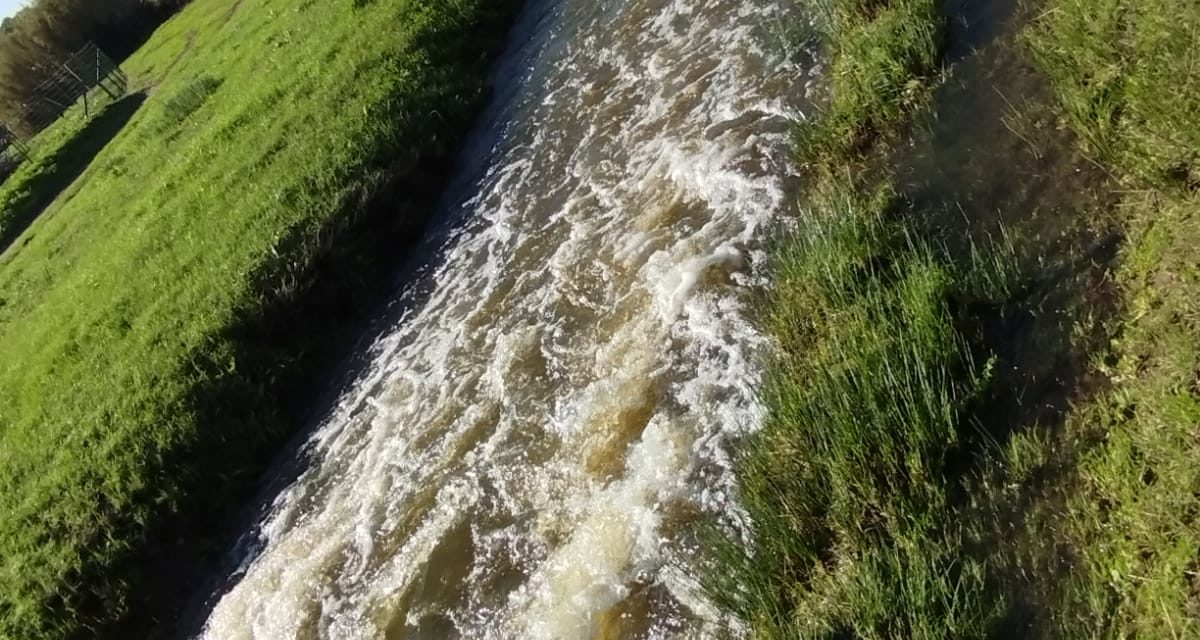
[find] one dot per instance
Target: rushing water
(537, 438)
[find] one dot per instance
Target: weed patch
(187, 100)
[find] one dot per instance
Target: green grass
(187, 100)
(161, 318)
(850, 487)
(878, 508)
(1125, 72)
(868, 397)
(1127, 80)
(882, 56)
(57, 156)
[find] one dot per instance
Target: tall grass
(187, 100)
(876, 506)
(846, 487)
(852, 487)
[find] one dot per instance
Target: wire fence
(13, 151)
(75, 79)
(79, 82)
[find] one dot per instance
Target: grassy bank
(163, 320)
(868, 400)
(57, 157)
(849, 486)
(1123, 72)
(887, 496)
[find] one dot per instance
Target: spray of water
(536, 440)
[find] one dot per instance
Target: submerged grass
(162, 320)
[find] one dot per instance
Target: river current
(532, 447)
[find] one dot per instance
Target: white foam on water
(535, 441)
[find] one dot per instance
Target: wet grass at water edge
(886, 497)
(881, 57)
(869, 397)
(869, 392)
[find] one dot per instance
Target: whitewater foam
(535, 439)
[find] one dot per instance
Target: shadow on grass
(137, 28)
(57, 171)
(297, 347)
(295, 353)
(994, 160)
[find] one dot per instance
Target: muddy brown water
(534, 440)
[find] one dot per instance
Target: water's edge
(294, 456)
(542, 415)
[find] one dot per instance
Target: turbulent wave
(537, 438)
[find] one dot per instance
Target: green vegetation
(1125, 75)
(882, 55)
(872, 384)
(881, 505)
(57, 157)
(187, 100)
(161, 320)
(846, 484)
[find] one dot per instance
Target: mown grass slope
(159, 319)
(57, 157)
